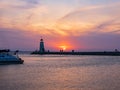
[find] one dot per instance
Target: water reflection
(62, 73)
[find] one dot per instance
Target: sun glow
(63, 47)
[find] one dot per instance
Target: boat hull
(11, 62)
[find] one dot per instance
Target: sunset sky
(82, 25)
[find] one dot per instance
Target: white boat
(7, 58)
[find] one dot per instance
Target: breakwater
(79, 53)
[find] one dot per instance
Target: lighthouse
(41, 49)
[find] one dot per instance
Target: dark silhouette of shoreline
(79, 53)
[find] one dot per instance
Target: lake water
(60, 72)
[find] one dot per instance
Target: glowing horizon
(79, 24)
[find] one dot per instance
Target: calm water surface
(59, 72)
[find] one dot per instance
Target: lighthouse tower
(41, 49)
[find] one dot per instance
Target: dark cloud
(115, 31)
(17, 39)
(32, 1)
(104, 25)
(27, 4)
(103, 41)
